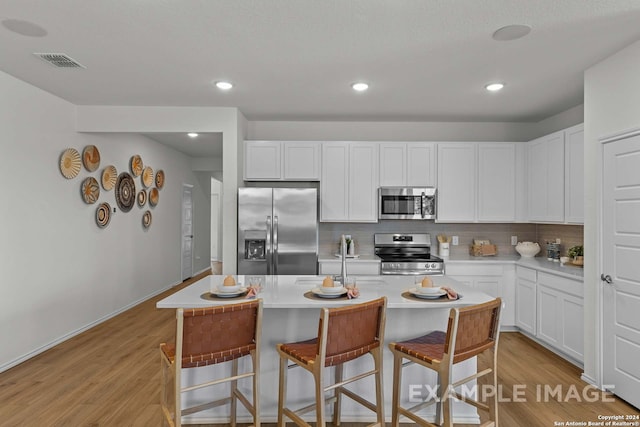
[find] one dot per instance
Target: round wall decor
(142, 197)
(125, 192)
(160, 179)
(136, 165)
(146, 219)
(147, 177)
(103, 215)
(109, 177)
(91, 158)
(154, 196)
(70, 163)
(90, 190)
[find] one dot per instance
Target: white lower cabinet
(365, 268)
(550, 308)
(494, 279)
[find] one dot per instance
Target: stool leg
(445, 382)
(493, 405)
(256, 388)
(282, 391)
(439, 401)
(377, 360)
(397, 379)
(234, 387)
(337, 406)
(317, 375)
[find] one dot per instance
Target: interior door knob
(606, 278)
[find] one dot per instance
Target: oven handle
(423, 204)
(412, 273)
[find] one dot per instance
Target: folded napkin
(451, 294)
(353, 293)
(253, 292)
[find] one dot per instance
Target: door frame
(599, 294)
(185, 186)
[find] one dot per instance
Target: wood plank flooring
(109, 376)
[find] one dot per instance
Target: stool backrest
(208, 335)
(346, 333)
(473, 329)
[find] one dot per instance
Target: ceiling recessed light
(511, 32)
(224, 85)
(24, 28)
(494, 87)
(360, 87)
(192, 135)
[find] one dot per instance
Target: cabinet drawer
(526, 273)
(473, 269)
(569, 286)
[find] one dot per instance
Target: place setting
(425, 290)
(232, 290)
(332, 290)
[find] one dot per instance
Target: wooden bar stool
(207, 336)
(344, 334)
(471, 331)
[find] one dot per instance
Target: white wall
(611, 105)
(60, 273)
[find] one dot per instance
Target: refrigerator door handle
(275, 244)
(268, 244)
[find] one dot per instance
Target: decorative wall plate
(90, 190)
(142, 197)
(147, 177)
(91, 158)
(146, 219)
(125, 192)
(70, 163)
(154, 196)
(109, 177)
(160, 179)
(136, 165)
(103, 214)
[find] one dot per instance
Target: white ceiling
(425, 60)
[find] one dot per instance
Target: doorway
(187, 232)
(216, 226)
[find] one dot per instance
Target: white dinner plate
(219, 294)
(318, 292)
(230, 289)
(415, 293)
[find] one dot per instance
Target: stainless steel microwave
(406, 203)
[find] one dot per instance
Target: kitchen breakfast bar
(291, 313)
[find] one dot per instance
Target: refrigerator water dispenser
(255, 244)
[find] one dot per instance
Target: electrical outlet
(514, 240)
(454, 240)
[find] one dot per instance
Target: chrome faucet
(343, 252)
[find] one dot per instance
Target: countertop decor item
(91, 158)
(577, 253)
(136, 165)
(146, 219)
(70, 163)
(90, 190)
(109, 177)
(147, 176)
(103, 215)
(125, 192)
(160, 179)
(142, 197)
(154, 196)
(528, 249)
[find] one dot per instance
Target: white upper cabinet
(282, 161)
(574, 174)
(545, 178)
(410, 164)
(456, 197)
(496, 182)
(349, 182)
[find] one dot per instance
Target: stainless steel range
(407, 254)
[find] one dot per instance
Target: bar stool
(471, 330)
(207, 336)
(344, 334)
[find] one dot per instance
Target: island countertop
(289, 291)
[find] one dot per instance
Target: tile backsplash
(498, 234)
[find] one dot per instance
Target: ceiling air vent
(59, 60)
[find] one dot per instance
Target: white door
(620, 267)
(187, 232)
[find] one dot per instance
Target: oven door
(407, 203)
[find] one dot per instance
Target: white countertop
(537, 263)
(288, 292)
(360, 258)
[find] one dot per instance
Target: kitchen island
(290, 316)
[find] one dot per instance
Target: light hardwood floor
(109, 376)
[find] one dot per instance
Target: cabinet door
(549, 315)
(262, 160)
(572, 335)
(334, 193)
(555, 177)
(526, 305)
(456, 182)
(545, 185)
(301, 161)
(393, 164)
(421, 164)
(574, 174)
(537, 179)
(363, 182)
(496, 182)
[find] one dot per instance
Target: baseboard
(589, 380)
(78, 331)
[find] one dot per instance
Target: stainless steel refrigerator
(277, 231)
